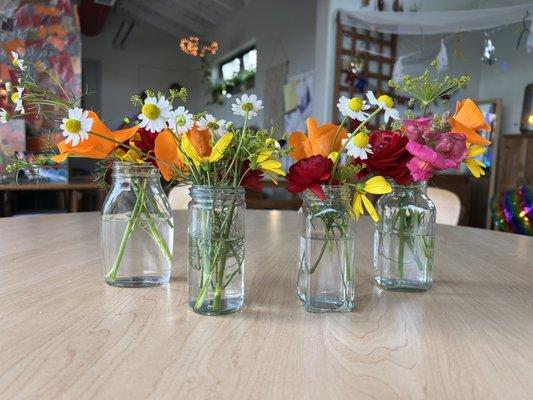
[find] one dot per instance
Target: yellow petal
(475, 167)
(272, 166)
(370, 208)
(377, 185)
(263, 156)
(357, 206)
(220, 147)
(189, 150)
(475, 150)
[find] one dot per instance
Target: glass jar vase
(326, 272)
(216, 250)
(137, 229)
(404, 240)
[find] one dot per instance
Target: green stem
(401, 250)
(112, 274)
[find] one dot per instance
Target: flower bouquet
(137, 223)
(409, 156)
(328, 171)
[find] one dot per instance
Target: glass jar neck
(411, 189)
(333, 193)
(122, 170)
(219, 194)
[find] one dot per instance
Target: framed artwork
(12, 139)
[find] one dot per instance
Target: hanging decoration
(457, 53)
(357, 64)
(397, 70)
(192, 46)
(442, 57)
(489, 51)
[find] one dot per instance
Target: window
(242, 64)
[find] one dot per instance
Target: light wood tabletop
(64, 334)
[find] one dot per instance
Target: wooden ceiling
(179, 17)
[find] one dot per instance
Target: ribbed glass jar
(326, 271)
(216, 250)
(137, 229)
(404, 240)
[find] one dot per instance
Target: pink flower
(432, 150)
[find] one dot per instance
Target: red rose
(389, 156)
(146, 140)
(310, 173)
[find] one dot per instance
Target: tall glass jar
(137, 229)
(326, 272)
(404, 240)
(216, 250)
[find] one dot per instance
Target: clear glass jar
(137, 230)
(326, 272)
(216, 250)
(404, 240)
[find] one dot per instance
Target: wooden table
(64, 334)
(71, 189)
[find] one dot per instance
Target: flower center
(15, 97)
(180, 120)
(386, 100)
(355, 104)
(361, 140)
(247, 107)
(16, 63)
(72, 125)
(151, 111)
(213, 126)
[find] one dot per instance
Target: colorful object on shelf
(489, 51)
(512, 211)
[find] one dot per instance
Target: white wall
(281, 30)
(508, 78)
(152, 60)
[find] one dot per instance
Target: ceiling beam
(156, 21)
(198, 11)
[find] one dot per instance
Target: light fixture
(192, 46)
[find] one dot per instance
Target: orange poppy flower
(167, 153)
(95, 146)
(468, 119)
(319, 140)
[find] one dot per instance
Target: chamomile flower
(353, 108)
(77, 126)
(155, 113)
(180, 121)
(4, 116)
(16, 98)
(384, 102)
(358, 146)
(18, 62)
(247, 105)
(217, 127)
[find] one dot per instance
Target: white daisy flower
(247, 105)
(180, 121)
(209, 122)
(155, 113)
(16, 98)
(358, 146)
(353, 108)
(4, 116)
(18, 62)
(384, 102)
(9, 86)
(77, 126)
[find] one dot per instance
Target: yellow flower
(475, 166)
(216, 152)
(268, 165)
(333, 156)
(375, 185)
(133, 155)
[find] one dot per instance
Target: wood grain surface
(64, 334)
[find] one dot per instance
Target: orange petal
(200, 140)
(471, 135)
(300, 147)
(166, 153)
(468, 119)
(312, 128)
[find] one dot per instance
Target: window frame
(240, 56)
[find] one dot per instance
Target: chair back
(448, 205)
(179, 197)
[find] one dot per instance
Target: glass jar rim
(209, 191)
(124, 169)
(329, 191)
(412, 185)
